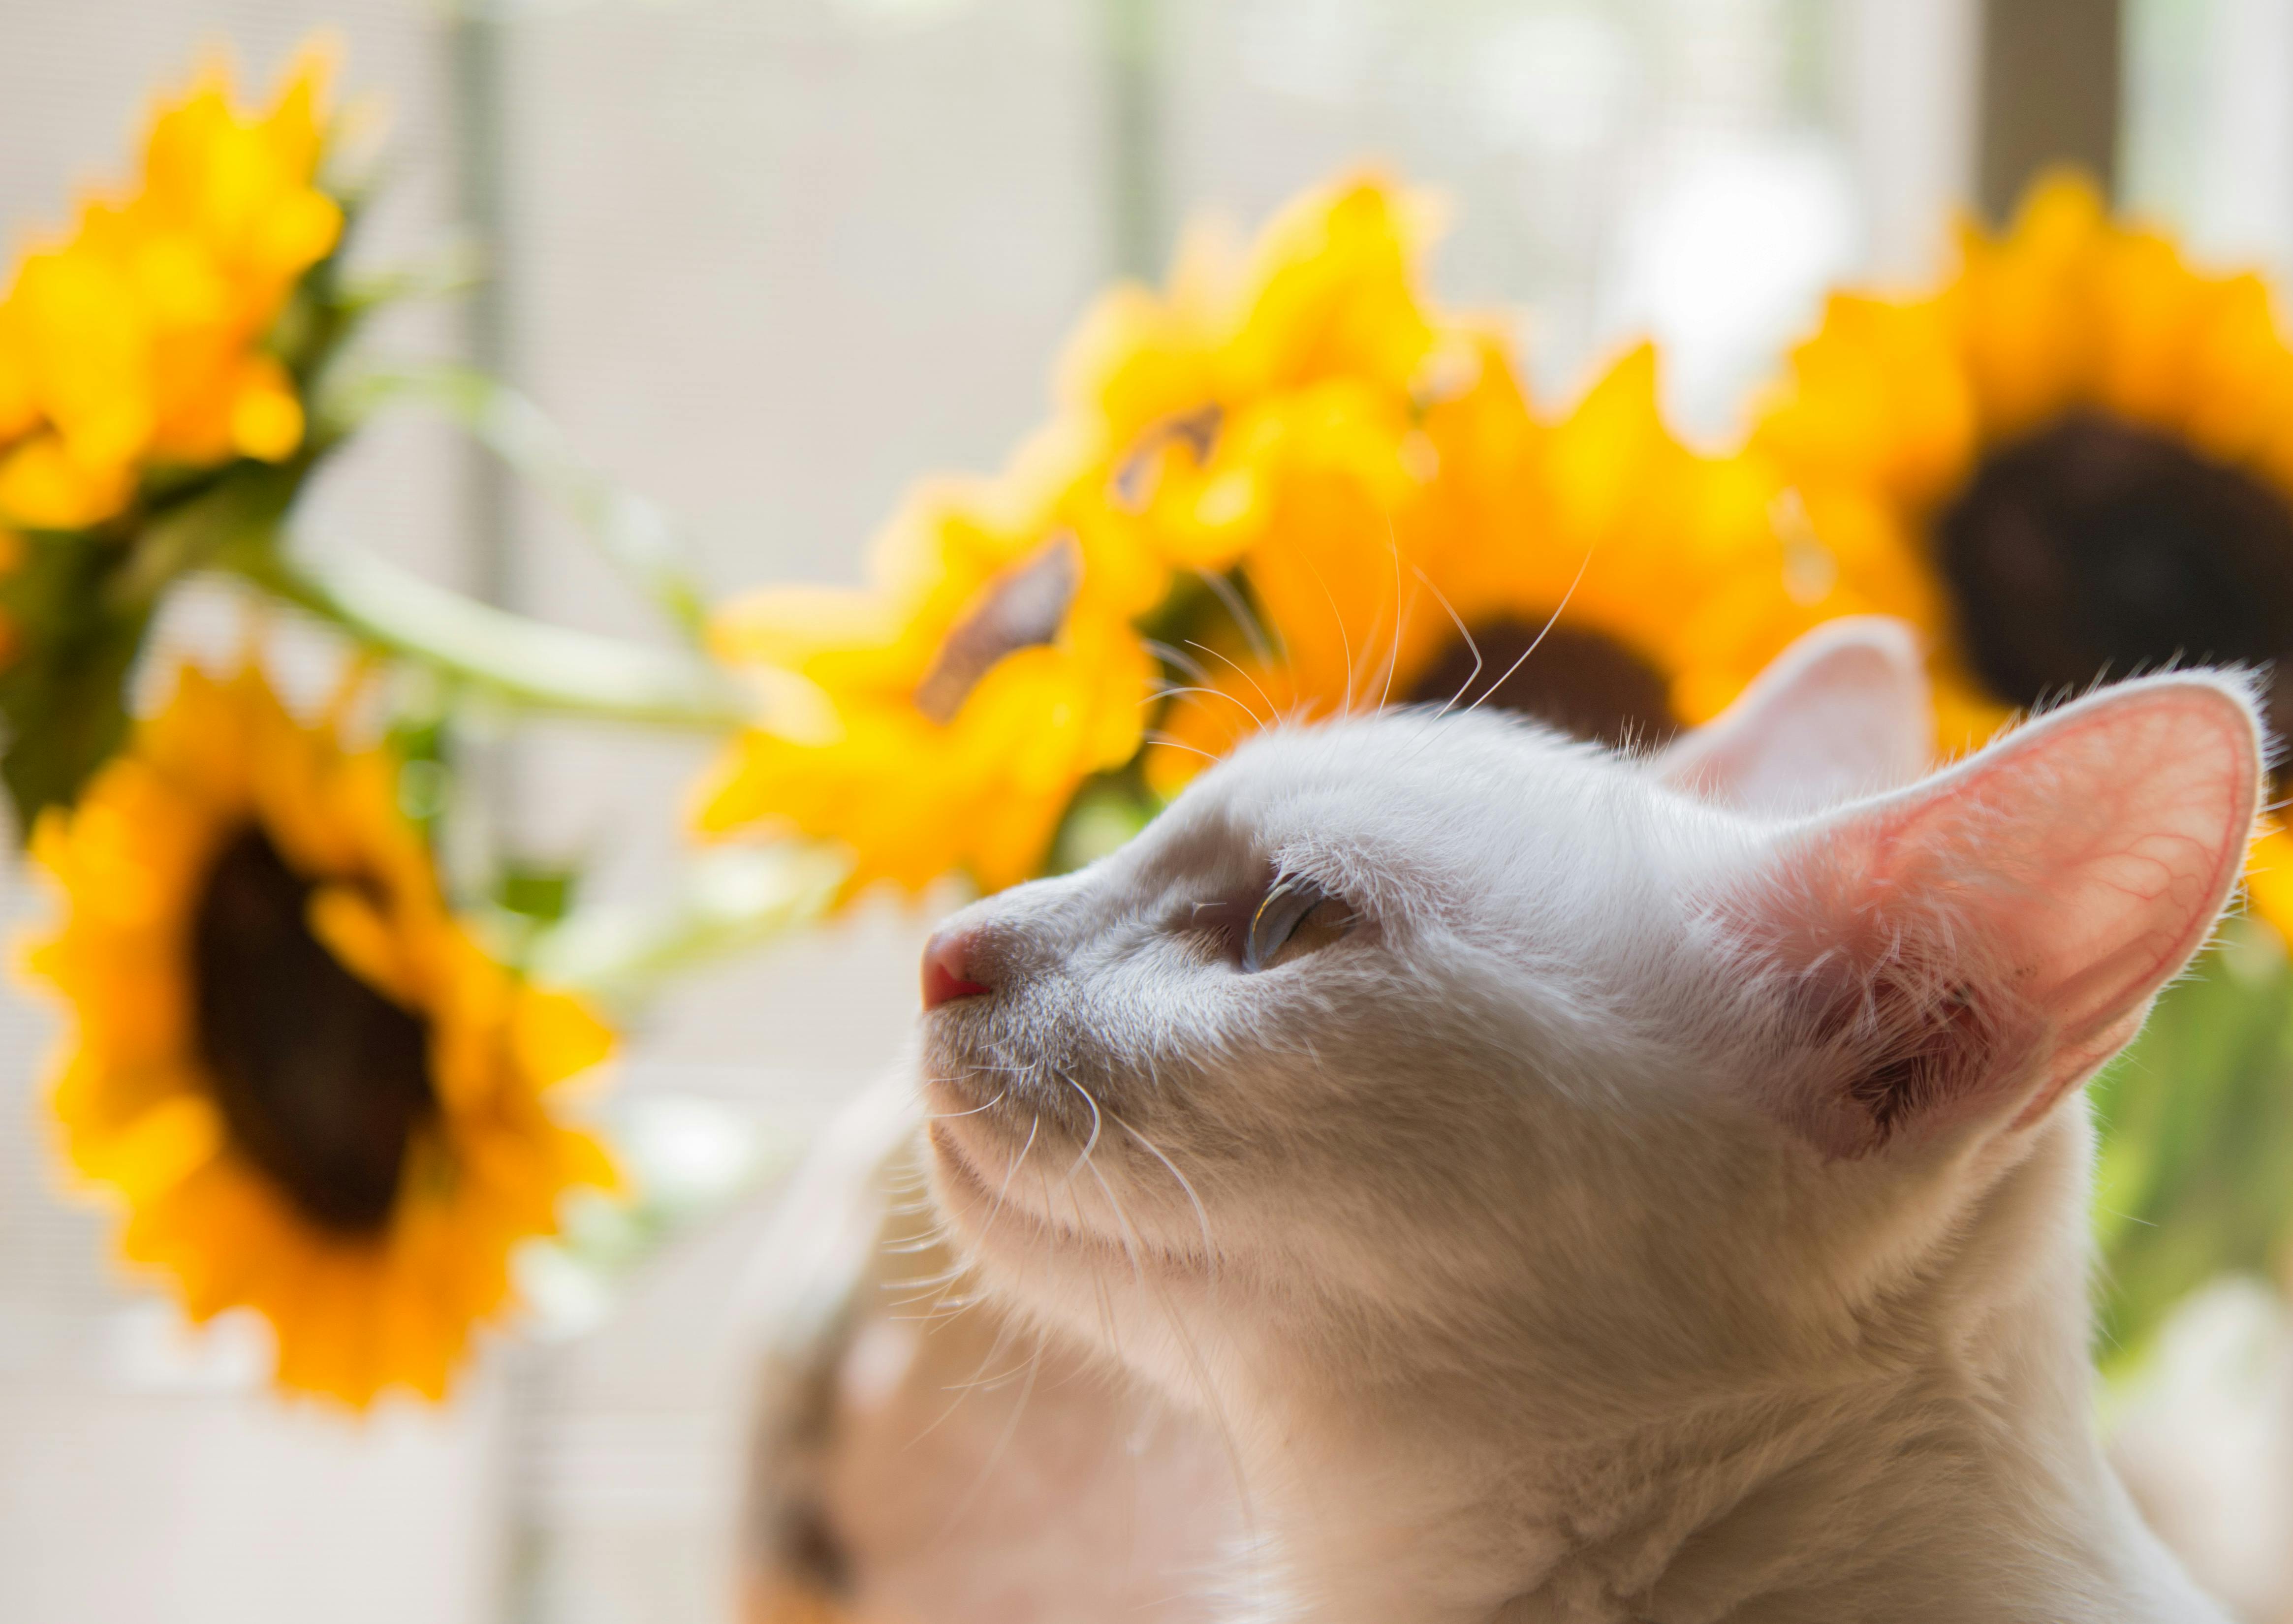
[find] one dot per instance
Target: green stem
(523, 662)
(724, 901)
(633, 535)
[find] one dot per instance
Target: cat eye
(1296, 912)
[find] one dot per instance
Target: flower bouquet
(325, 1073)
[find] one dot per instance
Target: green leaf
(62, 688)
(542, 893)
(2197, 1139)
(79, 603)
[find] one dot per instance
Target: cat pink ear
(1970, 948)
(1842, 712)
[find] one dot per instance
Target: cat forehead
(1410, 787)
(1408, 755)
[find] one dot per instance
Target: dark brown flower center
(1581, 680)
(2094, 548)
(322, 1080)
(1021, 609)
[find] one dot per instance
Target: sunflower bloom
(1172, 394)
(136, 340)
(2074, 461)
(312, 1091)
(1592, 572)
(957, 703)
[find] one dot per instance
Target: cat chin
(963, 1194)
(993, 1216)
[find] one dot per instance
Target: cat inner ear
(1840, 713)
(1964, 952)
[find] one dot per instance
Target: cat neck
(1959, 1479)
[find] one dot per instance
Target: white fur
(1527, 1244)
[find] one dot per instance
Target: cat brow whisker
(1272, 710)
(1551, 621)
(1187, 664)
(1234, 699)
(1472, 647)
(1252, 630)
(1345, 639)
(1179, 744)
(1393, 654)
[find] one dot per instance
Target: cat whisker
(1252, 631)
(1187, 664)
(1345, 639)
(1393, 654)
(976, 1382)
(1472, 646)
(1179, 744)
(1202, 1216)
(1217, 693)
(1272, 710)
(1090, 1143)
(1190, 1352)
(950, 1115)
(1551, 621)
(1034, 1125)
(1003, 1443)
(922, 1285)
(1121, 1220)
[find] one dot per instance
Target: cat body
(1529, 1183)
(1580, 1188)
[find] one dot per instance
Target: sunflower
(952, 709)
(2074, 461)
(1175, 396)
(959, 703)
(136, 340)
(313, 1092)
(1651, 582)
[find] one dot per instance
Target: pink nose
(947, 970)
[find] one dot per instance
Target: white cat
(1578, 1188)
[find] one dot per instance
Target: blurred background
(777, 258)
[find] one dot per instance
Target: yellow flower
(1365, 465)
(959, 703)
(135, 340)
(2072, 461)
(313, 1093)
(1652, 582)
(1160, 389)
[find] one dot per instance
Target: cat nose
(947, 969)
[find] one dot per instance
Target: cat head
(1407, 1047)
